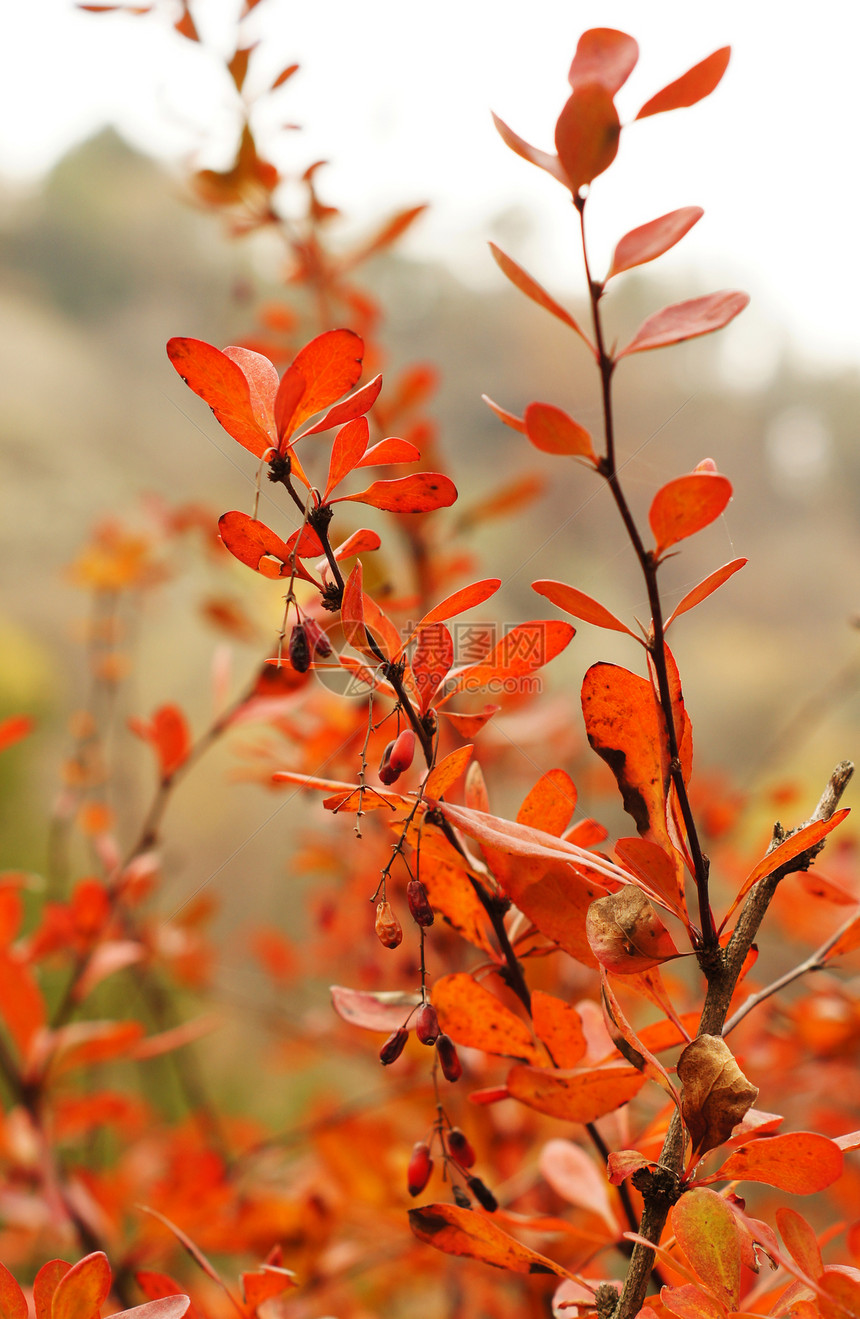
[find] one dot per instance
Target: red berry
(427, 1024)
(460, 1148)
(387, 926)
(420, 1168)
(393, 1046)
(419, 903)
(387, 774)
(452, 1068)
(403, 751)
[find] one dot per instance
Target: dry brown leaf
(715, 1095)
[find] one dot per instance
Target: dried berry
(460, 1148)
(403, 751)
(387, 926)
(393, 1046)
(420, 1168)
(427, 1024)
(449, 1061)
(317, 639)
(300, 651)
(419, 903)
(461, 1197)
(483, 1195)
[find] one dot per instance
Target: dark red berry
(300, 651)
(427, 1024)
(419, 903)
(460, 1148)
(461, 1197)
(420, 1168)
(483, 1195)
(449, 1061)
(393, 1046)
(387, 774)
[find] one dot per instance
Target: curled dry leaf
(715, 1094)
(625, 933)
(459, 1231)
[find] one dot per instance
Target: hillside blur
(107, 261)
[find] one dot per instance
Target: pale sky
(397, 95)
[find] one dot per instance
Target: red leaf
(686, 320)
(509, 418)
(692, 86)
(360, 542)
(459, 1231)
(82, 1291)
(558, 1025)
(621, 1164)
(257, 546)
(526, 284)
(388, 234)
(605, 56)
(265, 1283)
(262, 381)
(801, 1241)
(574, 1176)
(13, 1303)
(431, 661)
(45, 1284)
(384, 1010)
(391, 450)
(527, 647)
(347, 452)
(533, 155)
(708, 1235)
(550, 803)
(575, 1096)
(221, 383)
(165, 1307)
(687, 505)
(284, 75)
(474, 1017)
(587, 134)
(705, 588)
(551, 430)
(422, 492)
(449, 769)
(651, 240)
(169, 734)
(466, 598)
(469, 725)
(801, 841)
(13, 729)
(352, 608)
(355, 406)
(324, 370)
(801, 1162)
(627, 730)
(581, 606)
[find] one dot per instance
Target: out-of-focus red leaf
(581, 606)
(801, 1241)
(166, 1307)
(558, 1025)
(574, 1176)
(423, 492)
(692, 86)
(391, 450)
(324, 370)
(45, 1284)
(509, 418)
(550, 803)
(526, 284)
(355, 406)
(543, 159)
(284, 75)
(13, 1303)
(527, 647)
(474, 1017)
(799, 842)
(577, 1095)
(431, 661)
(193, 1250)
(459, 1231)
(388, 234)
(83, 1043)
(621, 1164)
(606, 56)
(265, 1283)
(169, 734)
(706, 1231)
(469, 725)
(448, 770)
(393, 800)
(651, 240)
(551, 430)
(686, 320)
(221, 383)
(347, 452)
(111, 956)
(185, 26)
(687, 505)
(13, 729)
(801, 1162)
(705, 588)
(82, 1291)
(587, 134)
(382, 1010)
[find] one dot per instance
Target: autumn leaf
(801, 1241)
(22, 1006)
(574, 1176)
(587, 134)
(558, 1025)
(801, 1162)
(692, 86)
(530, 287)
(627, 730)
(686, 320)
(686, 505)
(575, 1095)
(551, 430)
(606, 56)
(474, 1017)
(324, 370)
(13, 729)
(168, 733)
(447, 772)
(706, 1231)
(581, 606)
(715, 1094)
(543, 159)
(459, 1231)
(705, 588)
(423, 492)
(347, 451)
(221, 383)
(382, 1010)
(524, 649)
(651, 240)
(13, 1302)
(83, 1289)
(625, 933)
(803, 840)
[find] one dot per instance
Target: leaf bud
(420, 1168)
(387, 926)
(427, 1024)
(393, 1046)
(419, 903)
(483, 1195)
(449, 1061)
(460, 1147)
(403, 751)
(300, 651)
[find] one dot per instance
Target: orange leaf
(575, 1096)
(509, 418)
(551, 430)
(431, 660)
(527, 647)
(469, 725)
(347, 451)
(390, 450)
(82, 1291)
(45, 1284)
(605, 56)
(651, 240)
(382, 1010)
(355, 406)
(13, 1302)
(459, 1231)
(686, 320)
(221, 383)
(448, 770)
(460, 601)
(626, 730)
(264, 1283)
(321, 373)
(621, 1032)
(581, 606)
(423, 492)
(686, 505)
(526, 284)
(13, 729)
(691, 1302)
(256, 545)
(587, 134)
(692, 86)
(82, 1043)
(22, 1006)
(388, 234)
(801, 1162)
(550, 803)
(805, 839)
(574, 1176)
(558, 1025)
(453, 897)
(284, 75)
(706, 1231)
(474, 1017)
(352, 608)
(705, 588)
(657, 871)
(193, 1250)
(801, 1241)
(533, 155)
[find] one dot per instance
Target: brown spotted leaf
(715, 1093)
(459, 1231)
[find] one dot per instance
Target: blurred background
(105, 255)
